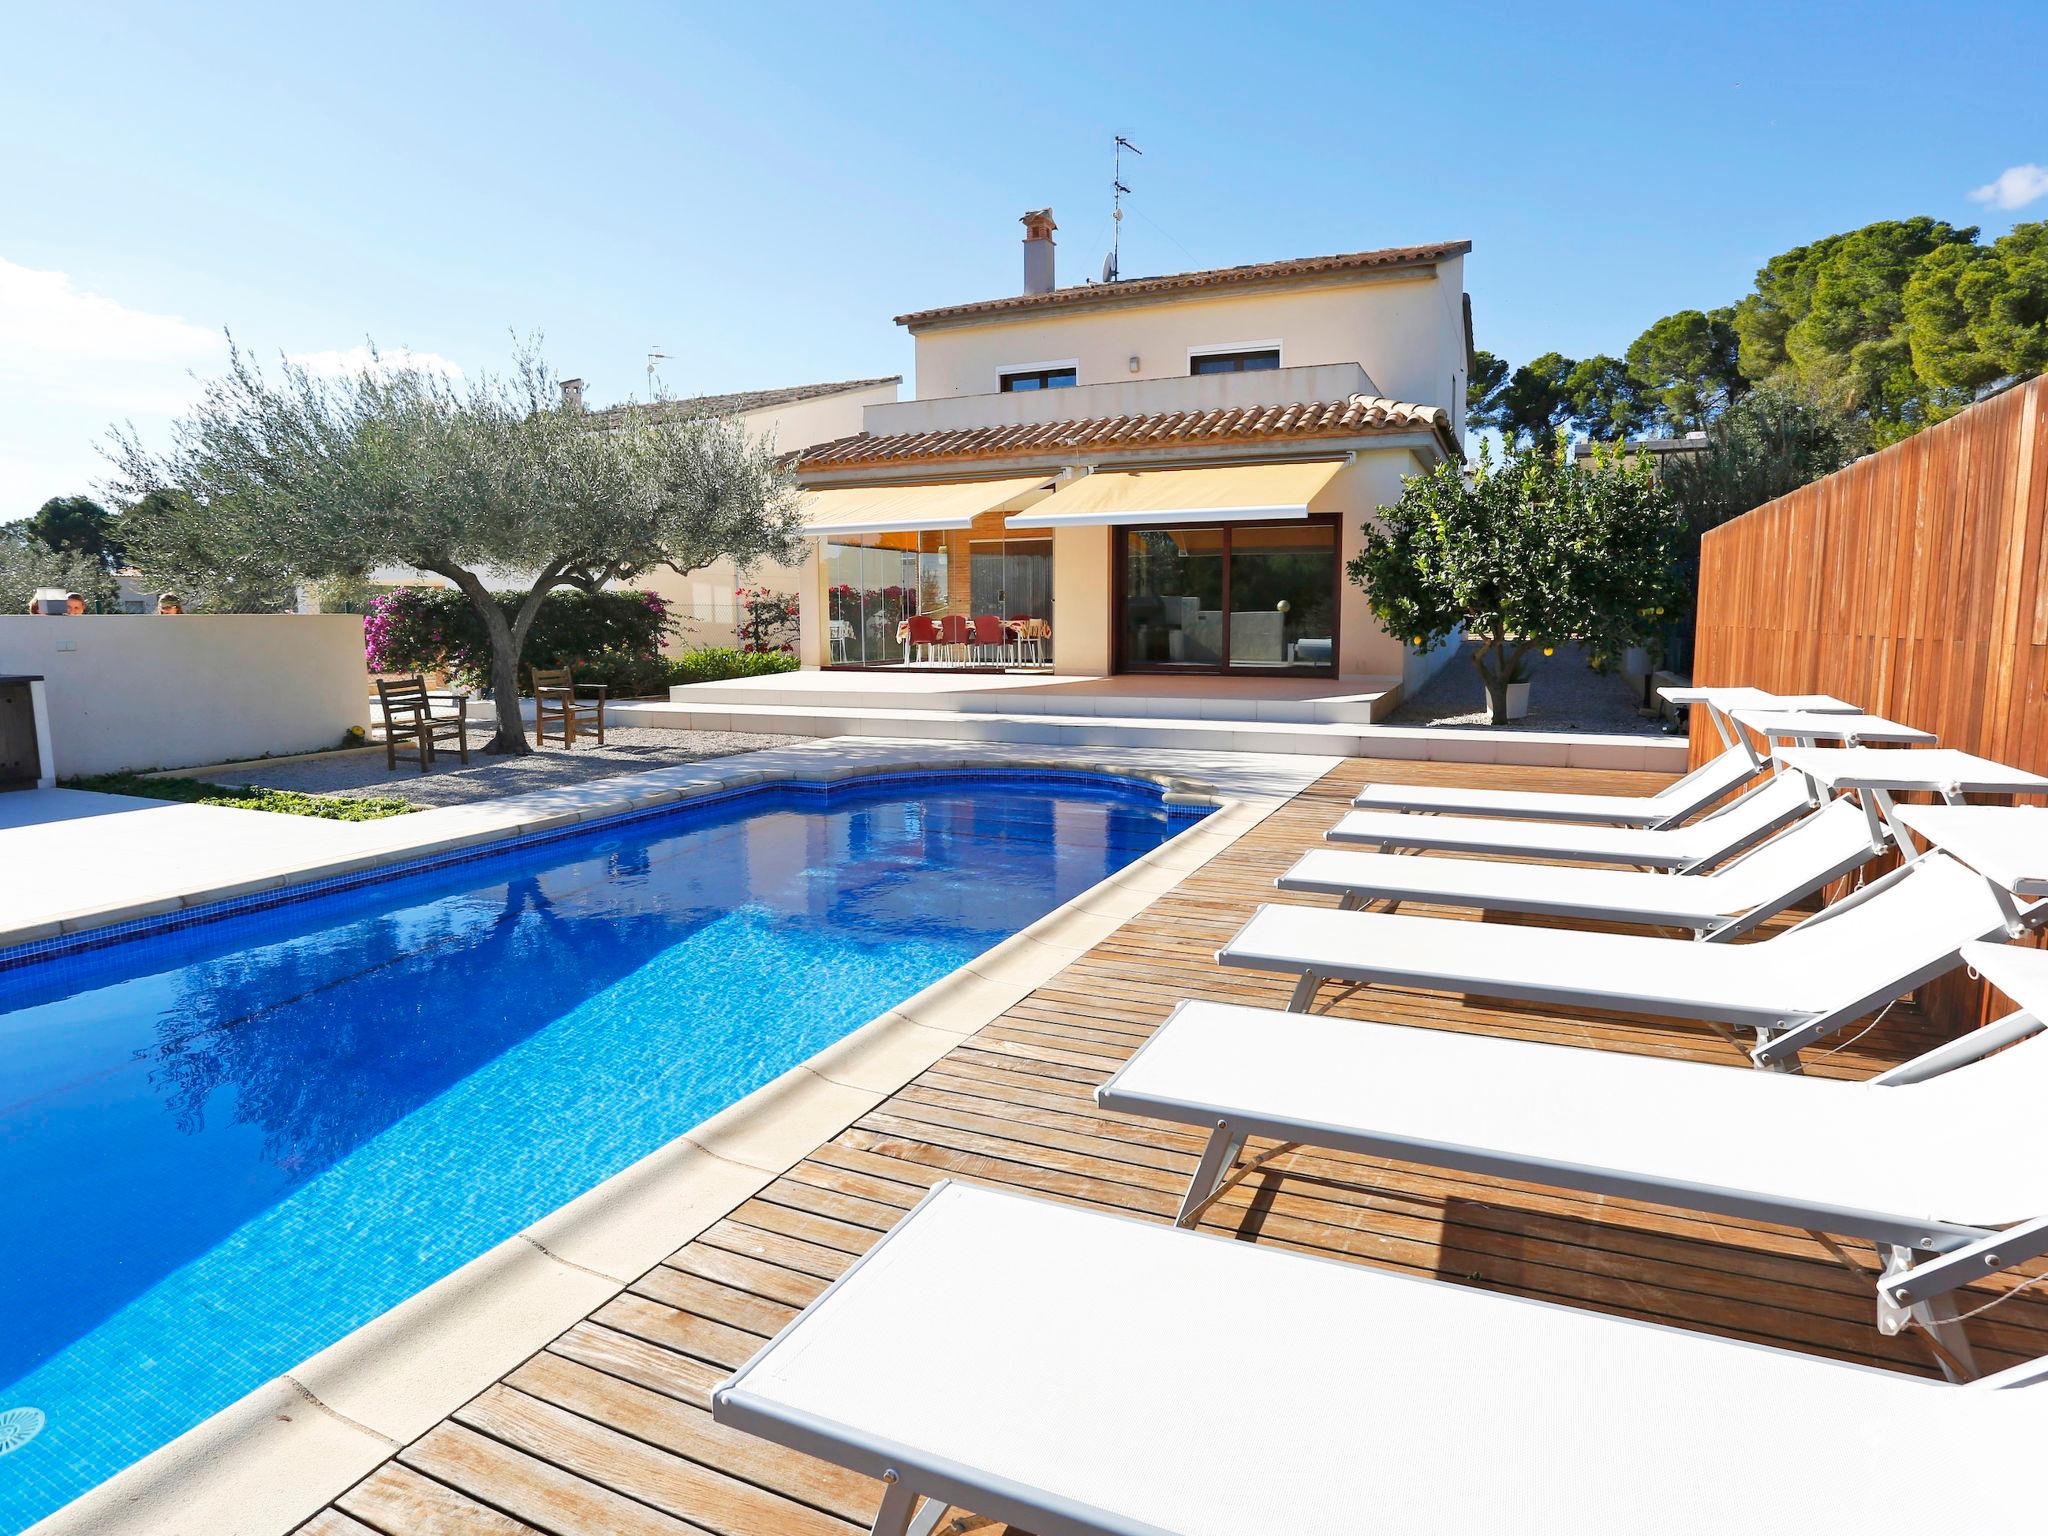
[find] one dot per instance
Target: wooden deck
(608, 1430)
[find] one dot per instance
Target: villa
(774, 1136)
(1162, 475)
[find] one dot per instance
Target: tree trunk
(1495, 681)
(1506, 666)
(508, 640)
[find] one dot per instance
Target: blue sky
(759, 189)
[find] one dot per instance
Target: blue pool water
(224, 1146)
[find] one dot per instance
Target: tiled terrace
(607, 1430)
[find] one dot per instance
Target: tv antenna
(654, 355)
(1116, 218)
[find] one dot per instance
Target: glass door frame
(1120, 661)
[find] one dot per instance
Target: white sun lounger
(1677, 801)
(1792, 988)
(2007, 844)
(1696, 845)
(1806, 727)
(1130, 1380)
(1805, 1152)
(1875, 774)
(1730, 900)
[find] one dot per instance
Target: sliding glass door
(970, 599)
(1222, 597)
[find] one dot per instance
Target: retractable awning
(910, 508)
(1223, 493)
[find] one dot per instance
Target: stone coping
(272, 1459)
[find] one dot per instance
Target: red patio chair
(924, 631)
(955, 634)
(991, 636)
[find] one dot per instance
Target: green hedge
(433, 629)
(716, 663)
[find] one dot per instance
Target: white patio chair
(1820, 1154)
(1729, 900)
(1793, 988)
(1131, 1380)
(1696, 845)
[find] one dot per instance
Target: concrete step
(1527, 748)
(1346, 701)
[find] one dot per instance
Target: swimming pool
(225, 1145)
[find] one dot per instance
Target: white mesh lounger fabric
(1728, 901)
(1699, 843)
(1103, 1376)
(1791, 988)
(1806, 1152)
(1806, 727)
(1675, 802)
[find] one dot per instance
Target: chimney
(1038, 228)
(572, 394)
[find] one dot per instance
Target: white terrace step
(1526, 748)
(1301, 701)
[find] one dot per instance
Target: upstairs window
(1235, 362)
(1037, 378)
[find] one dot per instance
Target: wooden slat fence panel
(1913, 583)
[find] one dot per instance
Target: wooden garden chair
(410, 721)
(555, 697)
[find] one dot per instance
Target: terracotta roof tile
(1089, 294)
(1355, 416)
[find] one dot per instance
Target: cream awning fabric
(1224, 493)
(909, 508)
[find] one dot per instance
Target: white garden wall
(138, 691)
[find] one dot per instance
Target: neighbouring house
(704, 601)
(797, 417)
(1658, 450)
(1160, 474)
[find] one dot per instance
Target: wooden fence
(1913, 583)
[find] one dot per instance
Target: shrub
(625, 674)
(716, 663)
(768, 620)
(436, 629)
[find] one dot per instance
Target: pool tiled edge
(80, 932)
(269, 1461)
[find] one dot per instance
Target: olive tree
(1524, 554)
(318, 479)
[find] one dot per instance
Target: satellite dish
(1109, 268)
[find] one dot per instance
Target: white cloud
(2016, 187)
(72, 362)
(346, 364)
(46, 314)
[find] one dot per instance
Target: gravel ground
(1565, 694)
(627, 749)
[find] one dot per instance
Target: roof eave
(1173, 289)
(996, 463)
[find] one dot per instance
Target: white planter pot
(1518, 700)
